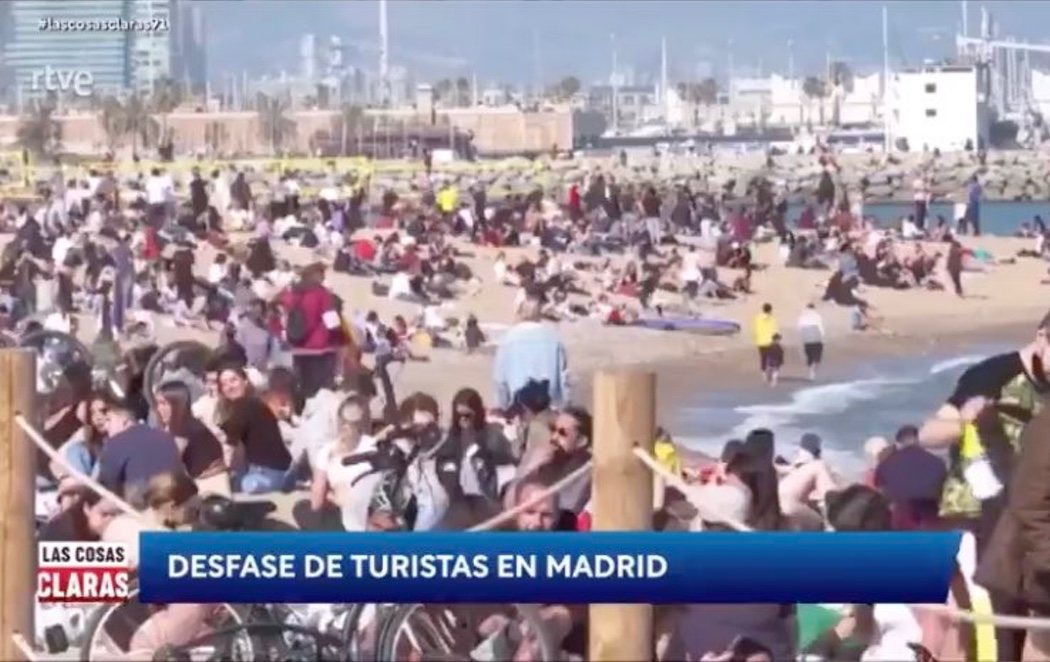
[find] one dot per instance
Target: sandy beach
(1008, 297)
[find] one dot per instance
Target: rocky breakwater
(1006, 175)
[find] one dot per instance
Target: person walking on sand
(954, 265)
(973, 206)
(811, 330)
(763, 329)
(531, 350)
(774, 360)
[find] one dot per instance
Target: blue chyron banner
(656, 568)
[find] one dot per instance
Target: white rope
(689, 491)
(508, 515)
(953, 613)
(41, 443)
(1009, 622)
(23, 646)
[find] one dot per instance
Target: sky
(525, 41)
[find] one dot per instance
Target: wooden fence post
(622, 500)
(17, 500)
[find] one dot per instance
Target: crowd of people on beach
(296, 396)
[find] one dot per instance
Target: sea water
(1001, 218)
(871, 399)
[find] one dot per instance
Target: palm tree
(703, 93)
(443, 89)
(274, 125)
(815, 88)
(113, 121)
(462, 91)
(39, 132)
(138, 122)
(568, 87)
(166, 97)
(349, 121)
(216, 135)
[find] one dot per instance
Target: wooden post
(622, 500)
(17, 500)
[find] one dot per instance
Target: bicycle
(226, 633)
(433, 631)
(55, 350)
(180, 356)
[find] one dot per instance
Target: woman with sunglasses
(201, 451)
(348, 487)
(474, 452)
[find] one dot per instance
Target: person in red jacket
(575, 204)
(313, 329)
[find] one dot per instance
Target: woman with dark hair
(754, 467)
(83, 519)
(865, 631)
(83, 448)
(736, 493)
(469, 459)
(252, 429)
(201, 451)
(69, 404)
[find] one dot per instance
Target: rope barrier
(41, 443)
(23, 646)
(998, 620)
(689, 491)
(508, 515)
(953, 613)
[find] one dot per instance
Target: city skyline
(512, 41)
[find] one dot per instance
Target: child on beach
(774, 360)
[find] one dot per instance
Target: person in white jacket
(811, 331)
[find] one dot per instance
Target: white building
(863, 103)
(790, 106)
(938, 107)
(1041, 93)
(750, 95)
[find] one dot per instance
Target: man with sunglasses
(981, 426)
(568, 450)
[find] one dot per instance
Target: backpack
(296, 328)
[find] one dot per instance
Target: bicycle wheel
(55, 350)
(187, 357)
(450, 632)
(282, 633)
(361, 630)
(110, 629)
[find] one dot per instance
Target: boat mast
(886, 142)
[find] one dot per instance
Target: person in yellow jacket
(763, 329)
(448, 199)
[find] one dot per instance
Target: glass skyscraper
(30, 50)
(117, 61)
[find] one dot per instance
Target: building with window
(939, 107)
(634, 104)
